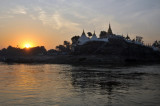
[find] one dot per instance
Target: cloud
(55, 20)
(62, 22)
(58, 20)
(19, 10)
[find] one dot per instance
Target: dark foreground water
(67, 85)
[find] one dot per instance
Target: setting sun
(27, 45)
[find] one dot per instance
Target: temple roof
(94, 37)
(110, 30)
(83, 33)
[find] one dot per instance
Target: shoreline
(79, 59)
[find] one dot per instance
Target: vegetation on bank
(36, 51)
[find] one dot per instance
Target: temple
(103, 36)
(108, 37)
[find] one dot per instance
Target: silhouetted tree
(89, 34)
(51, 52)
(103, 34)
(39, 50)
(139, 39)
(133, 40)
(156, 44)
(127, 37)
(61, 48)
(66, 43)
(64, 48)
(75, 39)
(3, 52)
(14, 51)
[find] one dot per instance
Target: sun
(27, 45)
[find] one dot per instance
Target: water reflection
(51, 84)
(114, 83)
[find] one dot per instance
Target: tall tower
(83, 33)
(94, 33)
(110, 30)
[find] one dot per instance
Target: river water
(69, 85)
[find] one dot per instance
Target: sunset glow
(27, 45)
(43, 23)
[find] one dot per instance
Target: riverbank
(79, 59)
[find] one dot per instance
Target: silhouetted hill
(118, 47)
(116, 51)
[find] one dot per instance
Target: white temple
(106, 36)
(84, 39)
(94, 37)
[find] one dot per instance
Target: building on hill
(105, 34)
(94, 37)
(106, 37)
(83, 39)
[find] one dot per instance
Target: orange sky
(48, 23)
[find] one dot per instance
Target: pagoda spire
(94, 33)
(83, 33)
(110, 30)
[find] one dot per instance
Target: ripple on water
(52, 84)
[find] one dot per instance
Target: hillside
(118, 47)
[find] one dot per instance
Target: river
(77, 85)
